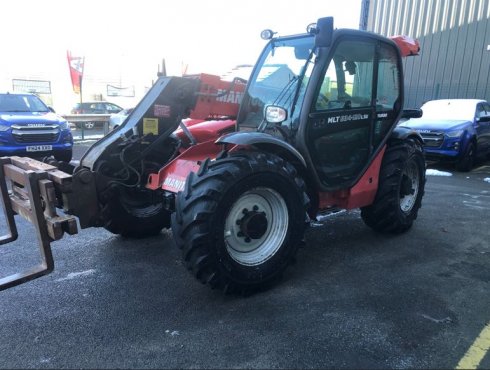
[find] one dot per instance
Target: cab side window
(388, 91)
(348, 80)
(388, 88)
(480, 111)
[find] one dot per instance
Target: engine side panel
(173, 176)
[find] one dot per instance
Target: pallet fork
(27, 188)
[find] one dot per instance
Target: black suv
(95, 107)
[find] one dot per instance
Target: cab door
(355, 106)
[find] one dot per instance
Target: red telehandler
(238, 169)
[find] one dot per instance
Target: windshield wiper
(301, 77)
(285, 90)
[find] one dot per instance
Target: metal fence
(79, 128)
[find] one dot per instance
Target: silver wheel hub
(256, 226)
(409, 187)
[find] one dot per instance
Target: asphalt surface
(354, 298)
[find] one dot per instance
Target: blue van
(28, 127)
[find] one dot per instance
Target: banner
(120, 91)
(75, 64)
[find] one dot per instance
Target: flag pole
(81, 78)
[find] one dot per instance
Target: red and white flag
(75, 64)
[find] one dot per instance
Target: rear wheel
(240, 220)
(400, 190)
(89, 125)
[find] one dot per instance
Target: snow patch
(78, 140)
(445, 320)
(74, 275)
(432, 172)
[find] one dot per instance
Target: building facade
(454, 36)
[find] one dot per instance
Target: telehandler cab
(238, 169)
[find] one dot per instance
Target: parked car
(457, 130)
(28, 127)
(116, 119)
(95, 107)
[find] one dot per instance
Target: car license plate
(39, 148)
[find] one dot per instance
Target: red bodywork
(360, 195)
(226, 103)
(407, 45)
(216, 101)
(172, 177)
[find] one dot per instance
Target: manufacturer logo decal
(347, 118)
(232, 97)
(174, 183)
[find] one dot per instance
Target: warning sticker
(161, 111)
(150, 126)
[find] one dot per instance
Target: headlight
(65, 125)
(457, 133)
(4, 127)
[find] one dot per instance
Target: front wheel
(467, 160)
(64, 156)
(134, 214)
(400, 189)
(240, 220)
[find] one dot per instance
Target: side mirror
(483, 119)
(412, 113)
(323, 32)
(275, 114)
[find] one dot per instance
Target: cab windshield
(278, 79)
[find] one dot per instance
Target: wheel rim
(256, 226)
(409, 187)
(89, 125)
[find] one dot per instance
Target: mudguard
(402, 133)
(261, 140)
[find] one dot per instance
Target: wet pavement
(353, 299)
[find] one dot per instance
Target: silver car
(115, 120)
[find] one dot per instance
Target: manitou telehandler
(238, 169)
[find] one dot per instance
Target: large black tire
(64, 156)
(400, 189)
(467, 160)
(240, 220)
(134, 214)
